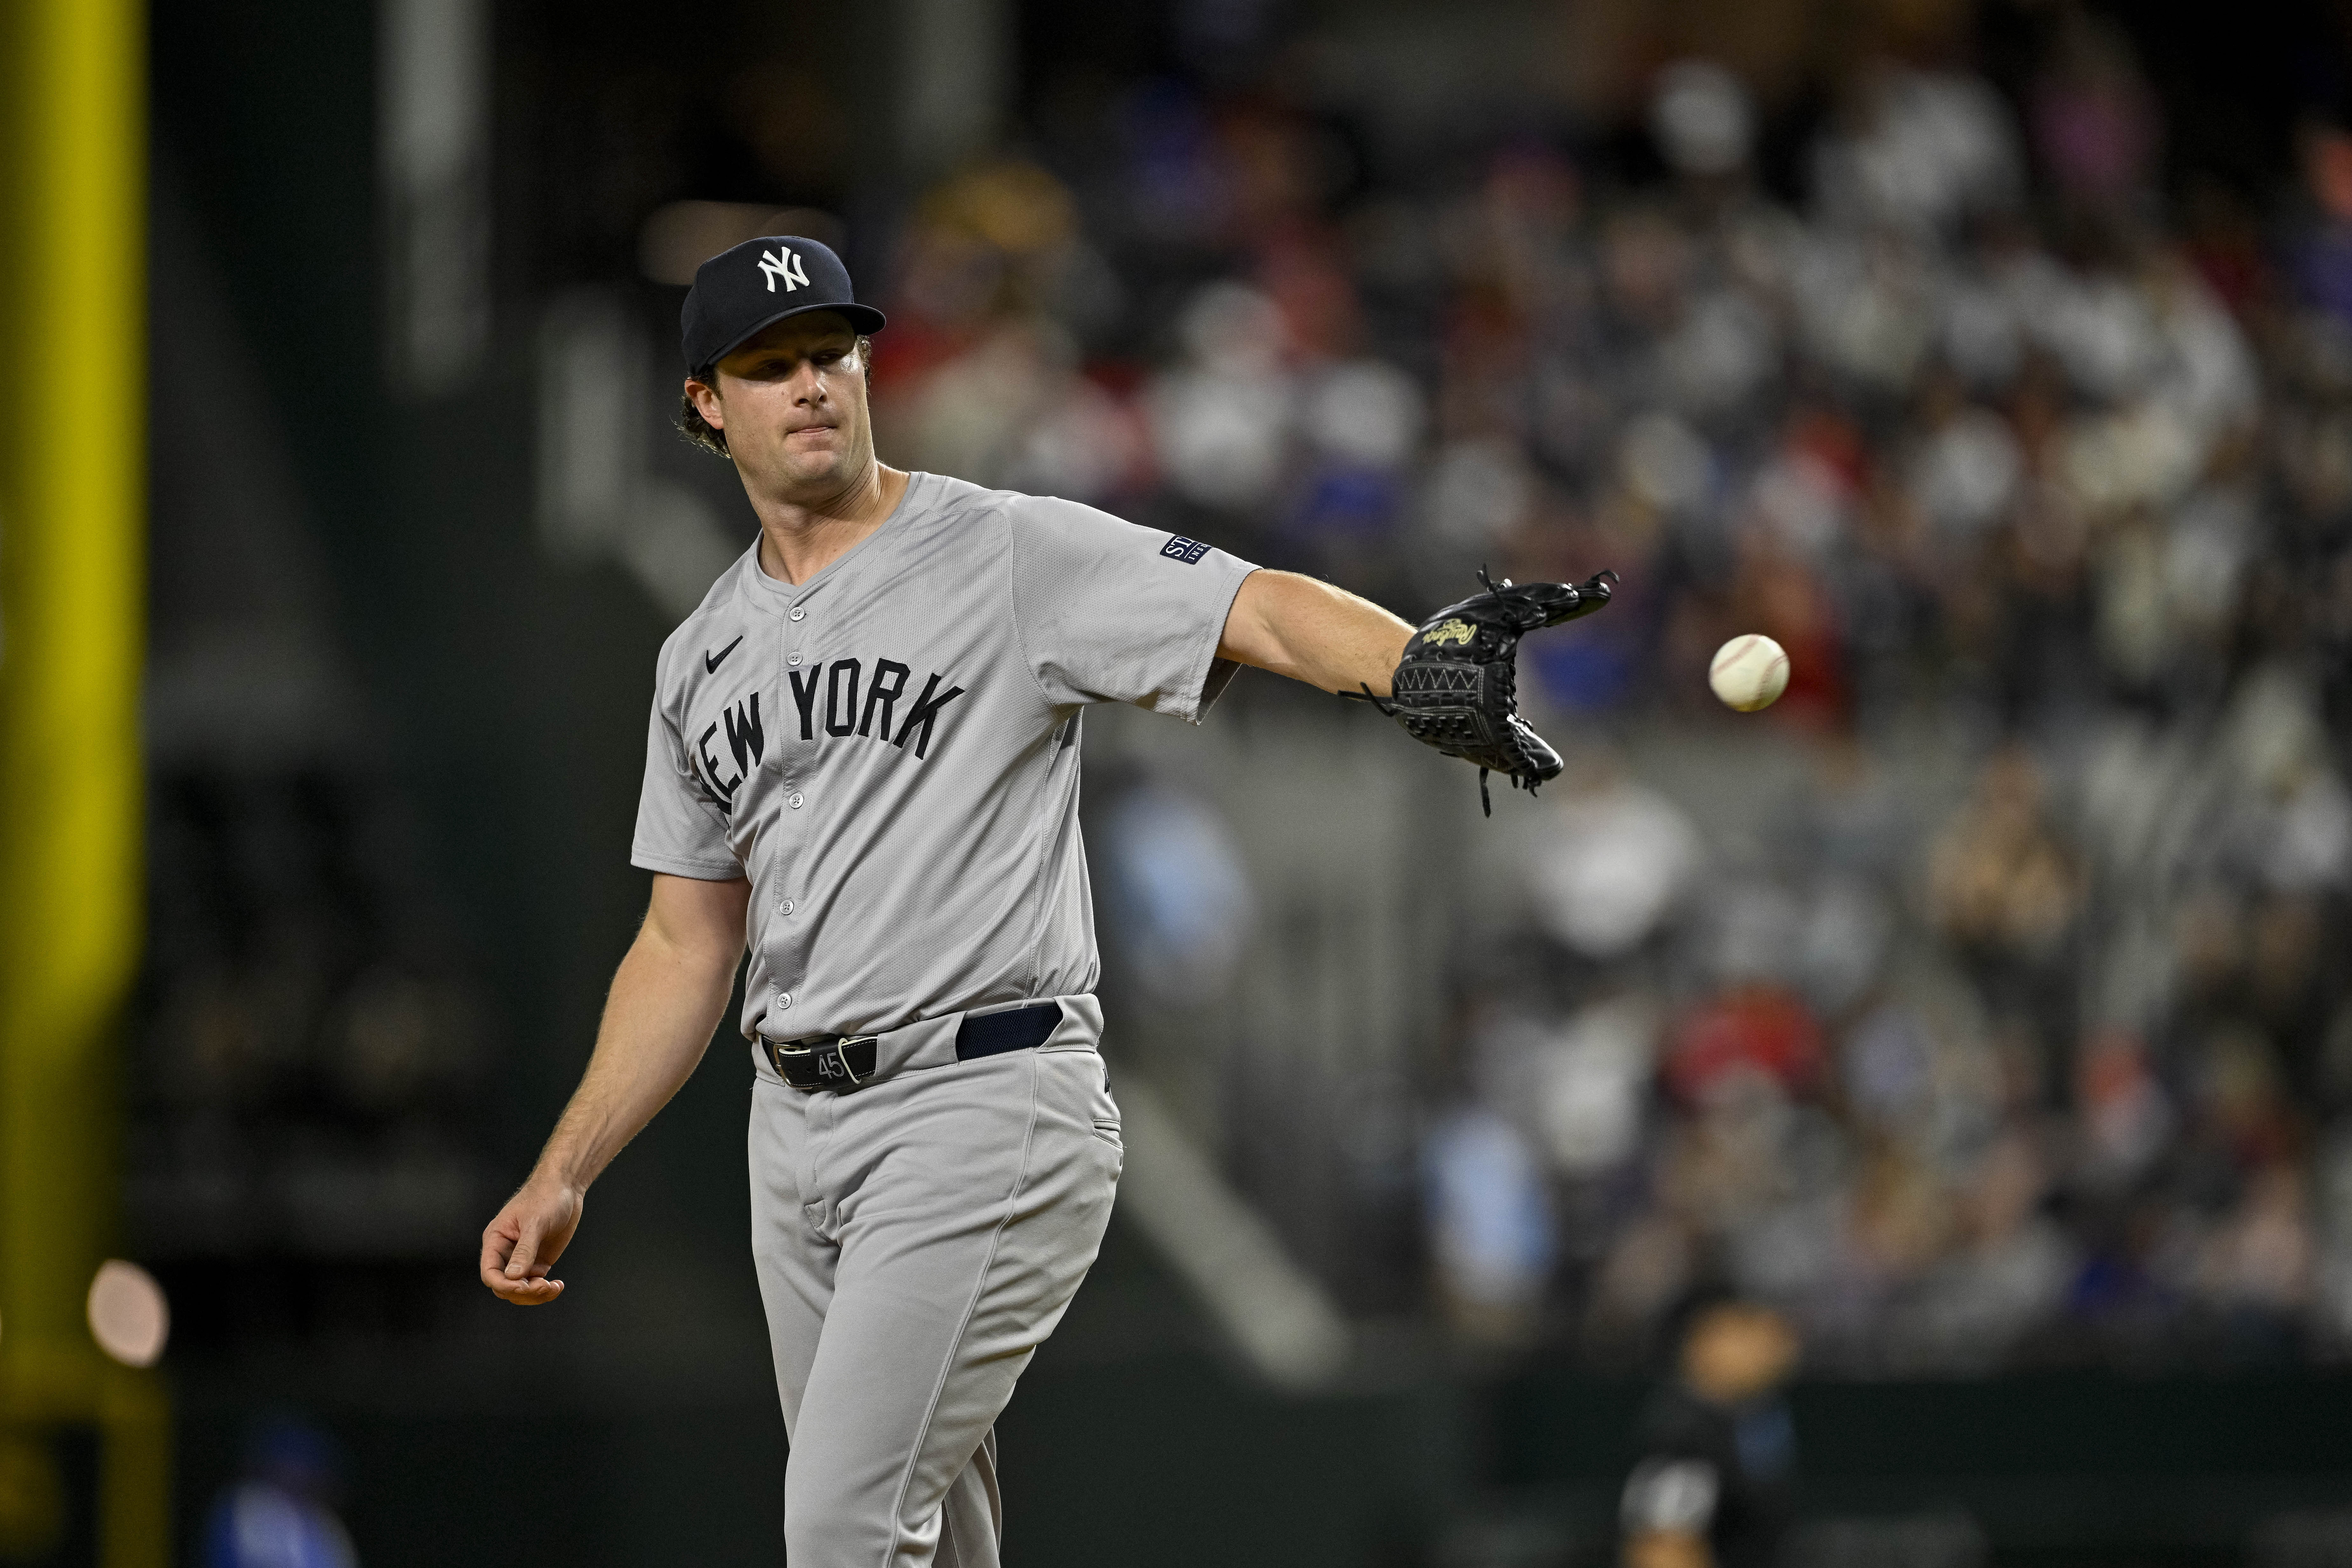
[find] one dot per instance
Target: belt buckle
(829, 1057)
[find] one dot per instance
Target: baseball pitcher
(862, 769)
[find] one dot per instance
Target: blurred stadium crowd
(2021, 1033)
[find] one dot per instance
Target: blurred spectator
(1715, 1483)
(1757, 1032)
(2006, 892)
(2323, 265)
(2008, 1275)
(1179, 895)
(281, 1515)
(1613, 863)
(1491, 1228)
(2094, 120)
(1702, 119)
(1222, 414)
(2126, 1117)
(1592, 1086)
(1918, 151)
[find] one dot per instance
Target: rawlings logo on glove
(1456, 689)
(1450, 631)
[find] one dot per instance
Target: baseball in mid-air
(1749, 672)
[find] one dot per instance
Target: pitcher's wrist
(562, 1172)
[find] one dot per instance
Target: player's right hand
(526, 1238)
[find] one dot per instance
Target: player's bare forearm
(1313, 632)
(665, 1000)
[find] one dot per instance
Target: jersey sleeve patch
(1188, 550)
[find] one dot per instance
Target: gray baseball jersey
(890, 751)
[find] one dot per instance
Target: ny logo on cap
(785, 266)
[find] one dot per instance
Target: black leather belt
(846, 1061)
(823, 1061)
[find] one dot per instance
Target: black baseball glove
(1456, 688)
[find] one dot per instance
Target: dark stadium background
(406, 595)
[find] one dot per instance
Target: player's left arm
(1310, 631)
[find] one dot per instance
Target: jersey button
(783, 999)
(789, 906)
(794, 800)
(792, 658)
(799, 614)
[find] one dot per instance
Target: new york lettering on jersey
(844, 715)
(887, 750)
(747, 742)
(838, 700)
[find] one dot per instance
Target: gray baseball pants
(915, 1241)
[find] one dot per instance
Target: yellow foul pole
(72, 613)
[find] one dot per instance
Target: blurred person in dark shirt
(1714, 1485)
(280, 1514)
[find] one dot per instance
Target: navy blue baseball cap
(739, 292)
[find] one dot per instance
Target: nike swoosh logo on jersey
(711, 661)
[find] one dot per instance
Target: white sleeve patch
(1670, 1494)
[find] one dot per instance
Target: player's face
(793, 404)
(1738, 1351)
